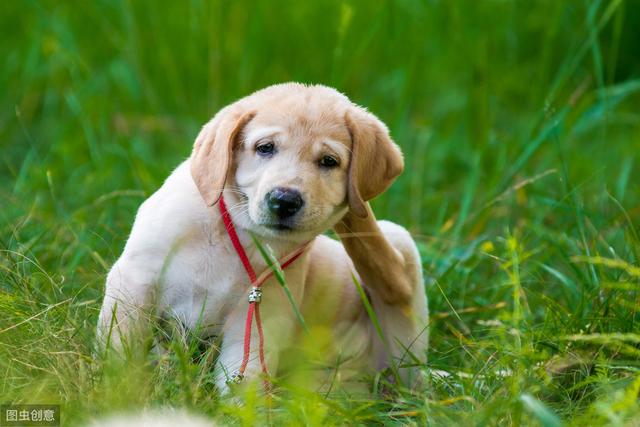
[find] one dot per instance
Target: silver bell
(236, 378)
(255, 295)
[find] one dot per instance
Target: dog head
(292, 159)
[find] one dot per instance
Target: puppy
(291, 161)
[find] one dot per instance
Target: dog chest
(200, 285)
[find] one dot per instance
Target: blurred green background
(520, 122)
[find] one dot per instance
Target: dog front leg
(382, 267)
(232, 353)
(279, 324)
(387, 260)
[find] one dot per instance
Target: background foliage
(520, 122)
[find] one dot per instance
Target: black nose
(284, 202)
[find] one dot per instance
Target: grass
(521, 129)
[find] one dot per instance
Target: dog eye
(266, 149)
(328, 162)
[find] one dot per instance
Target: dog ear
(376, 160)
(213, 149)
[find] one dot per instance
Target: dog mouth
(279, 226)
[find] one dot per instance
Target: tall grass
(521, 128)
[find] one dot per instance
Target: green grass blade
(274, 265)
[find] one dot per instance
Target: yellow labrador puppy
(291, 161)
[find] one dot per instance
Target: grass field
(520, 122)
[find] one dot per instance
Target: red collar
(255, 294)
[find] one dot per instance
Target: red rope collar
(255, 295)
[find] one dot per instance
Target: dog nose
(284, 202)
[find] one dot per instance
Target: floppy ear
(376, 160)
(212, 151)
